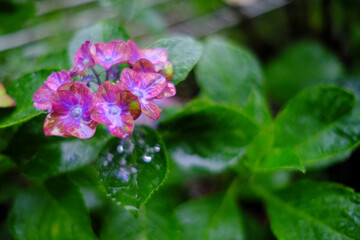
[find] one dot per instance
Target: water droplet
(123, 175)
(105, 163)
(113, 199)
(123, 162)
(110, 157)
(133, 170)
(120, 149)
(128, 145)
(108, 194)
(157, 148)
(118, 203)
(147, 158)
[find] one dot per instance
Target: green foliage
(183, 52)
(230, 74)
(301, 65)
(53, 211)
(313, 210)
(131, 169)
(206, 136)
(22, 91)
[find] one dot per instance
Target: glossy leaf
(313, 130)
(209, 137)
(40, 157)
(183, 53)
(214, 217)
(105, 31)
(131, 169)
(230, 74)
(55, 211)
(301, 65)
(310, 210)
(22, 91)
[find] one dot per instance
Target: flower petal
(82, 59)
(135, 53)
(143, 65)
(168, 91)
(110, 54)
(125, 129)
(55, 125)
(63, 101)
(41, 98)
(56, 79)
(158, 57)
(151, 110)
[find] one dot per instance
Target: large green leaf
(230, 74)
(22, 91)
(40, 157)
(299, 66)
(310, 210)
(183, 52)
(214, 217)
(316, 128)
(131, 169)
(55, 211)
(104, 31)
(210, 137)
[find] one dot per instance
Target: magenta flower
(146, 86)
(52, 83)
(157, 56)
(117, 108)
(110, 54)
(72, 104)
(82, 59)
(143, 65)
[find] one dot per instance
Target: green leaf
(131, 169)
(318, 125)
(310, 210)
(230, 74)
(22, 91)
(300, 65)
(210, 137)
(39, 156)
(55, 211)
(104, 31)
(183, 52)
(213, 217)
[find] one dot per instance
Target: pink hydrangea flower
(82, 59)
(143, 65)
(117, 108)
(52, 83)
(146, 86)
(110, 54)
(72, 104)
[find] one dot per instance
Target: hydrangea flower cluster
(132, 78)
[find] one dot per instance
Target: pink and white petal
(41, 98)
(80, 128)
(151, 110)
(152, 84)
(56, 79)
(54, 125)
(131, 79)
(82, 59)
(168, 91)
(108, 92)
(143, 65)
(119, 51)
(135, 53)
(158, 57)
(124, 129)
(99, 113)
(63, 101)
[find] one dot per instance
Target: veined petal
(168, 91)
(131, 104)
(150, 109)
(108, 92)
(131, 79)
(63, 101)
(143, 65)
(41, 98)
(56, 79)
(152, 84)
(135, 53)
(158, 57)
(82, 59)
(80, 128)
(125, 129)
(55, 125)
(110, 54)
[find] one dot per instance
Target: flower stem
(96, 75)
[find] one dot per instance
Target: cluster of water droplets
(121, 163)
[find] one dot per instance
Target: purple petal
(158, 57)
(55, 125)
(108, 92)
(110, 54)
(63, 101)
(83, 59)
(124, 129)
(150, 109)
(143, 65)
(56, 79)
(168, 91)
(41, 98)
(130, 79)
(135, 53)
